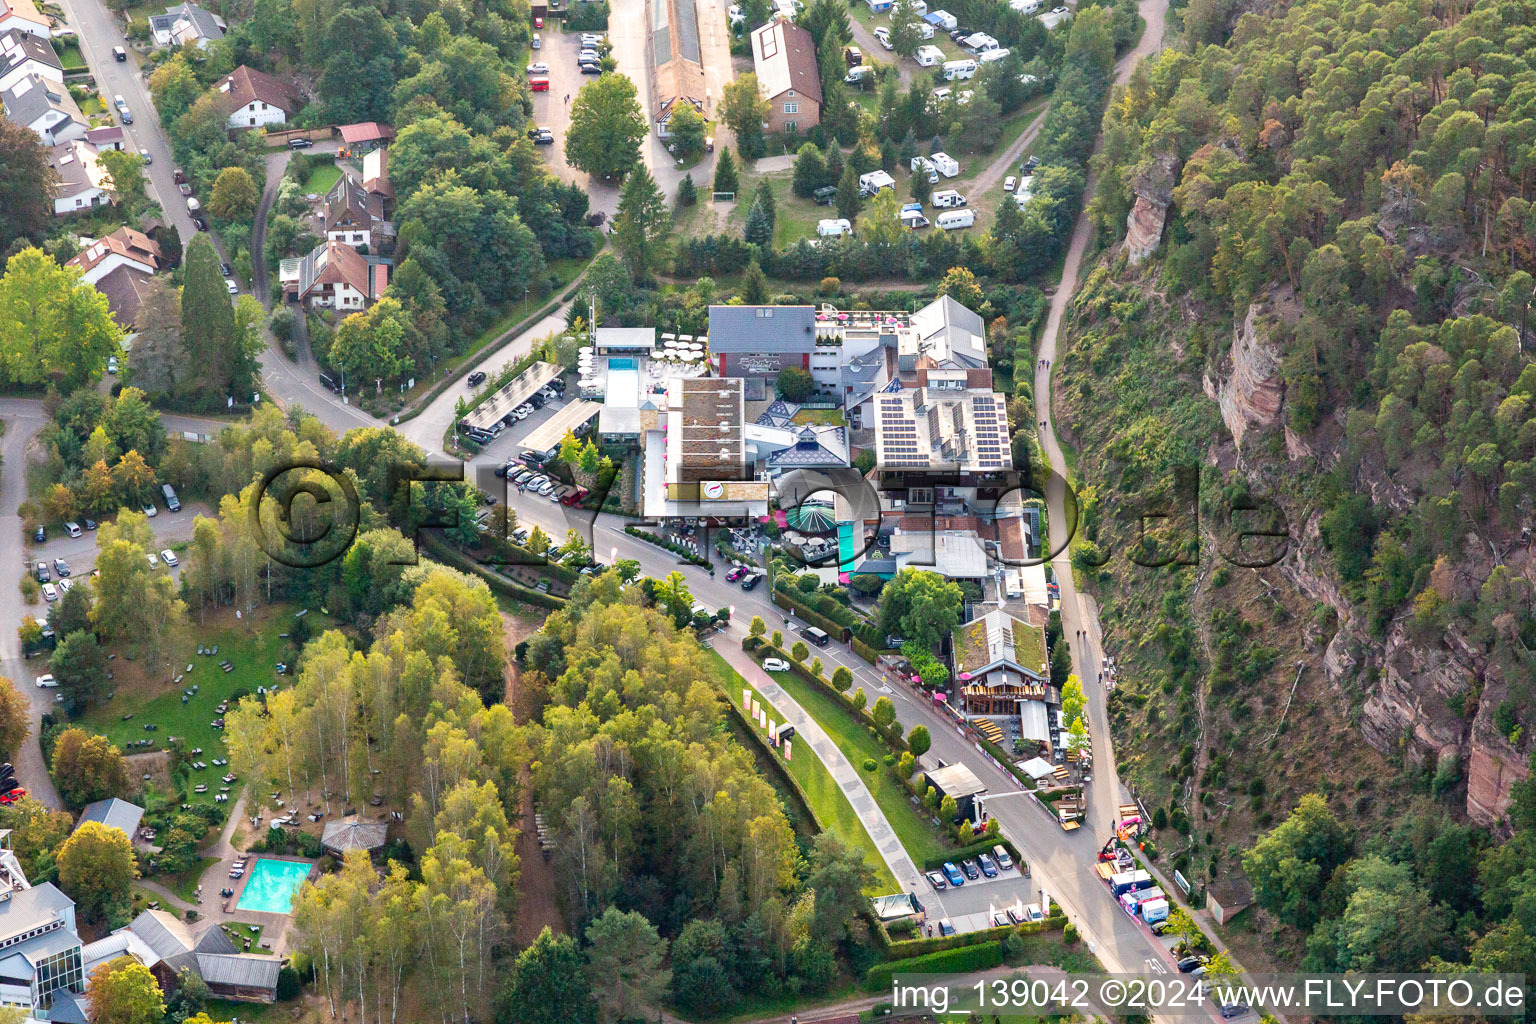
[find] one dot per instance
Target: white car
(1010, 183)
(587, 56)
(775, 665)
(50, 592)
(112, 364)
(47, 681)
(591, 39)
(234, 289)
(169, 557)
(549, 485)
(883, 34)
(146, 157)
(65, 586)
(154, 563)
(520, 413)
(538, 69)
(149, 510)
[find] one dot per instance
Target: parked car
(952, 874)
(1010, 183)
(152, 559)
(588, 54)
(538, 84)
(883, 34)
(1016, 914)
(1158, 927)
(40, 572)
(751, 582)
(987, 867)
(65, 586)
(112, 364)
(299, 143)
(936, 880)
(226, 269)
(1000, 853)
(47, 681)
(50, 593)
(538, 22)
(119, 54)
(60, 568)
(72, 528)
(149, 510)
(1189, 963)
(736, 574)
(775, 665)
(853, 56)
(475, 379)
(1028, 166)
(543, 137)
(41, 535)
(521, 412)
(146, 156)
(969, 867)
(591, 40)
(538, 68)
(169, 557)
(234, 289)
(1233, 1010)
(945, 928)
(537, 41)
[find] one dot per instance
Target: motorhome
(833, 227)
(942, 19)
(874, 181)
(945, 164)
(953, 220)
(928, 56)
(955, 70)
(991, 56)
(1025, 6)
(948, 199)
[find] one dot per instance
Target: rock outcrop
(1250, 389)
(1407, 707)
(1153, 187)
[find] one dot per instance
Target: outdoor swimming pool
(625, 363)
(273, 885)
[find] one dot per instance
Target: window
(357, 237)
(791, 126)
(791, 108)
(789, 92)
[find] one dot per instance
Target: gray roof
(762, 328)
(18, 47)
(863, 369)
(351, 834)
(206, 24)
(50, 943)
(164, 934)
(29, 908)
(962, 330)
(827, 446)
(778, 414)
(245, 970)
(67, 1008)
(117, 813)
(33, 96)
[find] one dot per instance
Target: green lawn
(70, 56)
(254, 654)
(322, 178)
(184, 883)
(917, 836)
(238, 932)
(819, 416)
(828, 802)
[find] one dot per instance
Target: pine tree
(759, 227)
(764, 195)
(687, 194)
(922, 188)
(725, 172)
(834, 165)
(754, 285)
(207, 323)
(641, 225)
(848, 194)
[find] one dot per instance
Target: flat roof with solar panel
(919, 428)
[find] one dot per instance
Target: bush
(288, 984)
(870, 764)
(1069, 933)
(981, 957)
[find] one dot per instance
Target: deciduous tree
(87, 767)
(234, 196)
(25, 206)
(123, 991)
(97, 869)
(606, 127)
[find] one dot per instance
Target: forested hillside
(1318, 253)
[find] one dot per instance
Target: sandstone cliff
(1153, 187)
(1248, 385)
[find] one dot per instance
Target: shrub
(870, 764)
(981, 957)
(1069, 933)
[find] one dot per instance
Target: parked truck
(1127, 881)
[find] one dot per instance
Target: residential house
(126, 290)
(40, 951)
(376, 179)
(136, 251)
(164, 944)
(24, 16)
(107, 136)
(187, 23)
(112, 812)
(354, 215)
(335, 275)
(677, 74)
(46, 107)
(23, 54)
(256, 99)
(83, 183)
(784, 57)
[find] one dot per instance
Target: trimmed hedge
(676, 549)
(978, 847)
(778, 764)
(835, 630)
(451, 376)
(825, 605)
(868, 653)
(980, 957)
(499, 584)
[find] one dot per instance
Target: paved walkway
(838, 765)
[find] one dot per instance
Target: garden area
(322, 179)
(826, 799)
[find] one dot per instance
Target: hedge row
(676, 549)
(761, 647)
(450, 375)
(913, 948)
(868, 653)
(979, 847)
(824, 605)
(778, 765)
(499, 584)
(835, 630)
(979, 957)
(1006, 761)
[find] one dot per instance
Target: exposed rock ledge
(1153, 187)
(1251, 391)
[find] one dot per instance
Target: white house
(187, 23)
(24, 16)
(353, 214)
(135, 250)
(256, 99)
(46, 107)
(23, 54)
(40, 951)
(83, 182)
(335, 275)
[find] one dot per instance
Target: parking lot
(552, 109)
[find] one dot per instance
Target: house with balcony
(334, 276)
(1001, 668)
(40, 951)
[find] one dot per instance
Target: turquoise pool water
(272, 886)
(623, 364)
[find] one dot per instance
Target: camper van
(948, 199)
(1025, 6)
(171, 501)
(943, 19)
(993, 55)
(913, 219)
(945, 164)
(954, 220)
(832, 228)
(955, 70)
(193, 206)
(874, 181)
(928, 56)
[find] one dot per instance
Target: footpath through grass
(827, 800)
(916, 834)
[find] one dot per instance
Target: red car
(12, 796)
(539, 84)
(538, 22)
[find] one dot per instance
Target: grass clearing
(322, 179)
(238, 932)
(916, 835)
(831, 417)
(827, 800)
(253, 645)
(184, 883)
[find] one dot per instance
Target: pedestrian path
(837, 765)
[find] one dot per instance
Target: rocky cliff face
(1406, 709)
(1248, 385)
(1153, 187)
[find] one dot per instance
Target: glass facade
(62, 970)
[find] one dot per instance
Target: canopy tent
(1038, 768)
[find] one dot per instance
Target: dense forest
(1332, 328)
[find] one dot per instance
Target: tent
(1038, 768)
(812, 517)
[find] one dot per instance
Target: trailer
(1154, 911)
(1129, 881)
(928, 55)
(954, 220)
(945, 164)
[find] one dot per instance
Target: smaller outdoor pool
(273, 885)
(615, 363)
